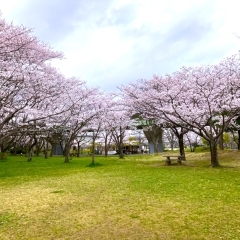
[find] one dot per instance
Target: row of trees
(204, 100)
(39, 106)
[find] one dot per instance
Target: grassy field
(134, 198)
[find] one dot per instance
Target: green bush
(202, 149)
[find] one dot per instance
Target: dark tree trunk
(37, 150)
(220, 142)
(14, 151)
(181, 144)
(67, 153)
(45, 154)
(179, 134)
(120, 143)
(121, 150)
(30, 150)
(239, 139)
(30, 155)
(93, 150)
(52, 144)
(214, 154)
(39, 146)
(45, 146)
(78, 149)
(106, 147)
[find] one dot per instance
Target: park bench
(179, 159)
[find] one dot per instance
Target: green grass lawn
(134, 198)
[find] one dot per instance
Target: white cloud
(114, 42)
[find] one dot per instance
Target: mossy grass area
(137, 197)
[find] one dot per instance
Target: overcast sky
(113, 42)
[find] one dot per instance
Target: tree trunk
(181, 145)
(214, 154)
(67, 153)
(239, 139)
(45, 154)
(30, 151)
(45, 146)
(93, 150)
(30, 155)
(106, 147)
(155, 145)
(220, 142)
(38, 145)
(121, 151)
(153, 135)
(14, 151)
(37, 150)
(78, 149)
(121, 136)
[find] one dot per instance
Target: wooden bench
(179, 159)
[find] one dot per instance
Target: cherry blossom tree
(107, 121)
(25, 76)
(204, 99)
(79, 140)
(83, 105)
(137, 96)
(119, 121)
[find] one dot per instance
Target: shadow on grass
(91, 165)
(58, 191)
